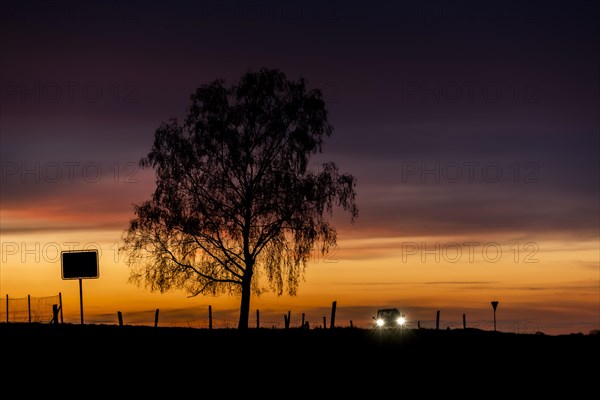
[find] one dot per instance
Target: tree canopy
(237, 208)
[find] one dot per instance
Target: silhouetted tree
(236, 207)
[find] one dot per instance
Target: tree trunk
(249, 261)
(245, 303)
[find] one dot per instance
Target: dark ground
(297, 363)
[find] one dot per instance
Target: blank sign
(79, 264)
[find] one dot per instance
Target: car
(389, 318)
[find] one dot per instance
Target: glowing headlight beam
(380, 322)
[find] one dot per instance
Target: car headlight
(380, 322)
(401, 320)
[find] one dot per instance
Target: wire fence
(29, 309)
(504, 326)
(40, 309)
(138, 318)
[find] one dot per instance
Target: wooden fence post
(437, 320)
(7, 309)
(210, 317)
(55, 314)
(257, 319)
(333, 307)
(120, 316)
(60, 307)
(464, 321)
(29, 307)
(156, 318)
(324, 322)
(286, 320)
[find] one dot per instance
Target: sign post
(494, 306)
(81, 299)
(78, 264)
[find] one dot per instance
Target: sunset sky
(472, 128)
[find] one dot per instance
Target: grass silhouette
(342, 358)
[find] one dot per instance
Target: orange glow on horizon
(362, 275)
